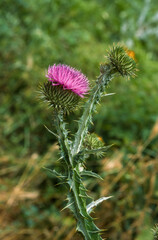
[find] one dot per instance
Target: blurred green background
(36, 34)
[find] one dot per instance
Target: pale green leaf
(91, 174)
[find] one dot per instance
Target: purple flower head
(69, 78)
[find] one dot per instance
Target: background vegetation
(35, 34)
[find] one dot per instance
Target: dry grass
(130, 177)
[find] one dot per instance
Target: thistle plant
(63, 90)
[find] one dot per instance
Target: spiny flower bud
(121, 60)
(58, 98)
(93, 141)
(155, 232)
(64, 88)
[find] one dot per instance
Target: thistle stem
(63, 139)
(102, 81)
(85, 223)
(77, 195)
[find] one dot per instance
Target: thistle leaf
(51, 132)
(95, 203)
(98, 150)
(85, 223)
(55, 173)
(90, 174)
(108, 94)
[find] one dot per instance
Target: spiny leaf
(90, 174)
(51, 132)
(95, 203)
(108, 94)
(70, 205)
(97, 150)
(55, 173)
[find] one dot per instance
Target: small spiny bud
(121, 60)
(155, 232)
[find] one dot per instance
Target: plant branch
(65, 144)
(96, 94)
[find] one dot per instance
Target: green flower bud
(155, 232)
(121, 60)
(93, 141)
(58, 98)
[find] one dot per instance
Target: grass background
(36, 34)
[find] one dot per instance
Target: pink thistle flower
(69, 78)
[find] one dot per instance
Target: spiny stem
(63, 139)
(102, 81)
(77, 195)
